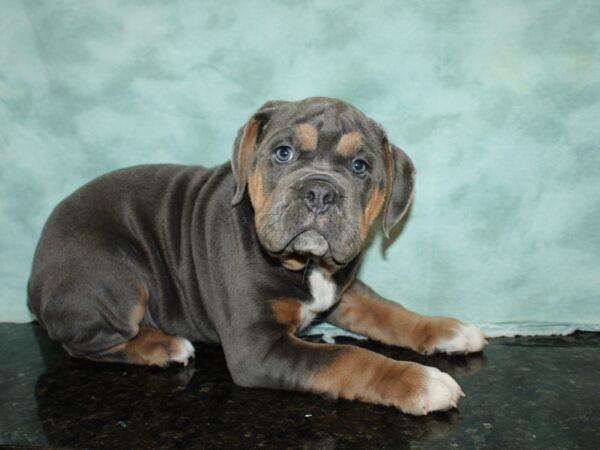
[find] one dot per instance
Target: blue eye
(284, 154)
(359, 166)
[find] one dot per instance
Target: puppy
(139, 263)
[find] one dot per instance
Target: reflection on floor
(521, 393)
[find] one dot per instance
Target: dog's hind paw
(182, 352)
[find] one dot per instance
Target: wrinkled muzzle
(310, 217)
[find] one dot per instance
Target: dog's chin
(309, 243)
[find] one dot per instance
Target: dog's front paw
(466, 339)
(438, 392)
(443, 335)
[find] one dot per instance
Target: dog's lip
(310, 242)
(289, 242)
(328, 256)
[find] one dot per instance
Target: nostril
(318, 197)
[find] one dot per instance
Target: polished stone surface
(538, 393)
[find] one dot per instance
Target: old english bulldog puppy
(141, 262)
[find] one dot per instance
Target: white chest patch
(324, 295)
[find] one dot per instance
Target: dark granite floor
(538, 393)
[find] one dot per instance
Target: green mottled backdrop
(497, 102)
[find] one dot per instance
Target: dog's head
(318, 173)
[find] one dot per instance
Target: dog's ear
(400, 185)
(245, 143)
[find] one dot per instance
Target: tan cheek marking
(307, 136)
(390, 322)
(367, 376)
(371, 211)
(348, 143)
(287, 312)
(258, 198)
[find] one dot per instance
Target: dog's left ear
(400, 185)
(245, 143)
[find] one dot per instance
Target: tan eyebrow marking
(307, 136)
(348, 143)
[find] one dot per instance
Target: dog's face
(318, 173)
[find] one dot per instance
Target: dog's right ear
(245, 143)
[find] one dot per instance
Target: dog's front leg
(269, 355)
(349, 372)
(363, 311)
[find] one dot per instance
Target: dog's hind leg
(96, 307)
(149, 346)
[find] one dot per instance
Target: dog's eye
(284, 154)
(359, 166)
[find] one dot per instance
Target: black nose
(319, 196)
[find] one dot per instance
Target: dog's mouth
(292, 233)
(311, 245)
